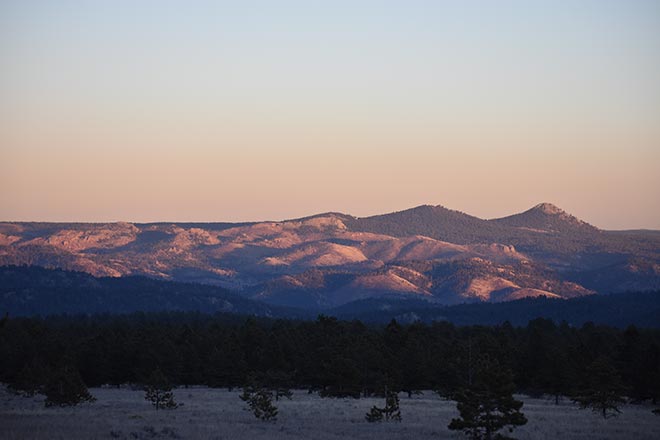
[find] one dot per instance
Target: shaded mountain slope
(641, 309)
(34, 291)
(26, 291)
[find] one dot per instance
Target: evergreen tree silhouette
(158, 391)
(66, 388)
(487, 405)
(604, 390)
(260, 402)
(390, 412)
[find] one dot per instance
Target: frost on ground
(219, 414)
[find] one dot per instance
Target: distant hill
(325, 260)
(641, 309)
(30, 291)
(543, 231)
(547, 218)
(34, 291)
(431, 221)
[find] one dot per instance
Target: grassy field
(218, 414)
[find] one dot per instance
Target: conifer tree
(604, 390)
(158, 391)
(66, 388)
(390, 412)
(556, 375)
(260, 402)
(487, 405)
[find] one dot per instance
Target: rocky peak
(548, 208)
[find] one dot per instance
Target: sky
(255, 110)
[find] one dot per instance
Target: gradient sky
(252, 110)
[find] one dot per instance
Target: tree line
(335, 358)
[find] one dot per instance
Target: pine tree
(487, 405)
(260, 402)
(158, 391)
(66, 388)
(556, 375)
(389, 412)
(604, 390)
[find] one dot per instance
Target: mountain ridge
(546, 207)
(541, 251)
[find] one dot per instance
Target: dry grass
(219, 414)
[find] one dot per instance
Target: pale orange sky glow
(206, 184)
(215, 113)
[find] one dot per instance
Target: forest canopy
(336, 358)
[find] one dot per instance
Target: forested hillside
(35, 291)
(28, 291)
(618, 310)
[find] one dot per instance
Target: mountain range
(427, 253)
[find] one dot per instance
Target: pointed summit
(546, 217)
(548, 208)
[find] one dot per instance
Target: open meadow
(218, 414)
